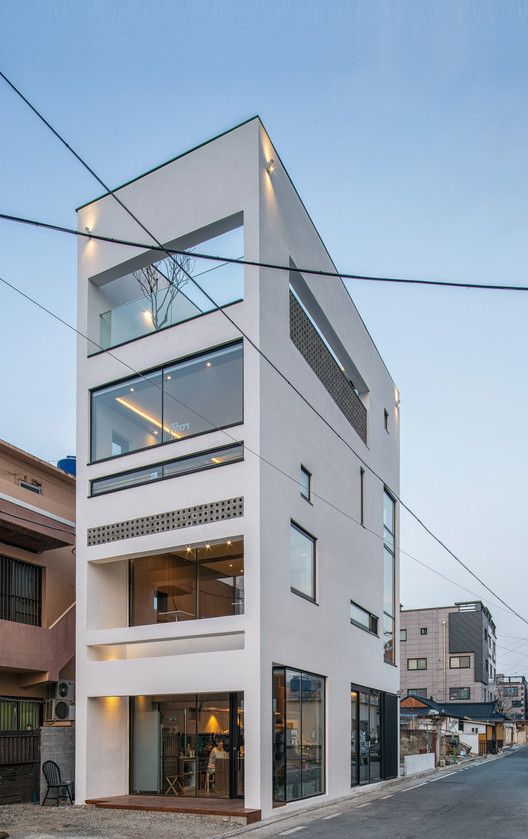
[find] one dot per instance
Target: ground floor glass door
(366, 737)
(189, 745)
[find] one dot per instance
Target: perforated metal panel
(230, 508)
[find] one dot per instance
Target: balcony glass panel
(169, 291)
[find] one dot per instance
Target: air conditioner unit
(59, 710)
(63, 689)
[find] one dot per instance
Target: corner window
(302, 562)
(403, 634)
(194, 396)
(416, 664)
(459, 662)
(365, 620)
(423, 630)
(305, 482)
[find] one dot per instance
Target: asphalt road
(488, 800)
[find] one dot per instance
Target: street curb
(362, 792)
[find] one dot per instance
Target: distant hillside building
(512, 694)
(448, 653)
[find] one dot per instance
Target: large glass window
(298, 734)
(166, 291)
(459, 693)
(190, 397)
(389, 530)
(20, 591)
(302, 562)
(365, 755)
(189, 583)
(169, 469)
(190, 745)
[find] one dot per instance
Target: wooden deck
(225, 807)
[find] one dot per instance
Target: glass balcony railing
(222, 283)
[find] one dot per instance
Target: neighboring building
(438, 727)
(448, 653)
(37, 610)
(219, 600)
(513, 696)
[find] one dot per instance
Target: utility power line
(263, 355)
(254, 263)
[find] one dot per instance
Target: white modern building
(237, 537)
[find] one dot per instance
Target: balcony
(164, 293)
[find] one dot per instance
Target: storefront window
(298, 752)
(365, 758)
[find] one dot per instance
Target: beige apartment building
(37, 586)
(448, 653)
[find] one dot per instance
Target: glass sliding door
(363, 737)
(298, 734)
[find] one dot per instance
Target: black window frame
(161, 370)
(460, 666)
(423, 630)
(373, 620)
(280, 668)
(454, 694)
(166, 463)
(294, 590)
(404, 632)
(415, 669)
(305, 471)
(25, 574)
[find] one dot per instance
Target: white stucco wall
(228, 176)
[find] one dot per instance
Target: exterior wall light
(270, 166)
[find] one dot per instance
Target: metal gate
(19, 766)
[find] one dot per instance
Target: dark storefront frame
(385, 750)
(308, 776)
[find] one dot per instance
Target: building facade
(37, 613)
(448, 654)
(512, 694)
(236, 614)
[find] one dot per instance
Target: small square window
(305, 482)
(423, 630)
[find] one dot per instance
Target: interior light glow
(148, 417)
(208, 364)
(147, 317)
(216, 460)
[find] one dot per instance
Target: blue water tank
(68, 464)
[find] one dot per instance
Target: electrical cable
(254, 263)
(252, 343)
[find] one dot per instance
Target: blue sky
(404, 127)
